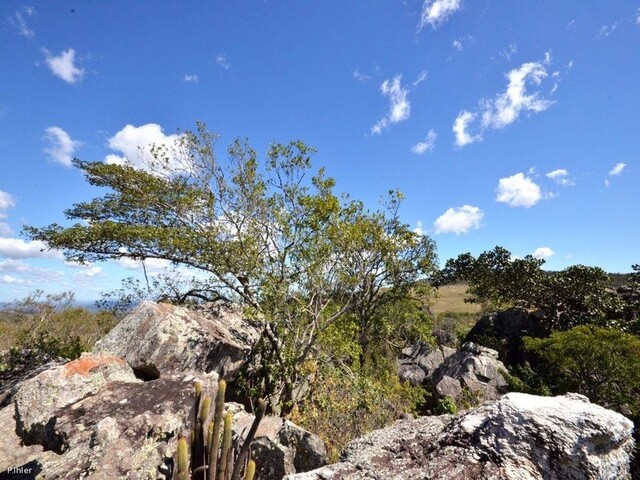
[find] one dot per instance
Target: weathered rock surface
(449, 372)
(39, 398)
(280, 447)
(92, 418)
(520, 436)
(159, 337)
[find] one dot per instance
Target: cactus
(251, 470)
(183, 460)
(209, 459)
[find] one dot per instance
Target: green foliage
(273, 236)
(346, 403)
(575, 296)
(208, 458)
(601, 363)
(52, 325)
(446, 405)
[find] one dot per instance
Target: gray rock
(520, 436)
(159, 337)
(474, 368)
(39, 398)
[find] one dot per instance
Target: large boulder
(92, 418)
(39, 399)
(473, 370)
(158, 337)
(520, 436)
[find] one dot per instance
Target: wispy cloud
(5, 229)
(399, 105)
(191, 78)
(459, 220)
(419, 230)
(6, 202)
(617, 169)
(509, 52)
(543, 253)
(435, 12)
(361, 77)
(19, 21)
(64, 66)
(561, 177)
(505, 108)
(221, 59)
(421, 78)
(518, 191)
(428, 145)
(458, 45)
(61, 147)
(607, 30)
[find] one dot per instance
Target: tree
(601, 363)
(496, 279)
(277, 239)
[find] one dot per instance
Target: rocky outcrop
(452, 373)
(520, 437)
(159, 337)
(93, 418)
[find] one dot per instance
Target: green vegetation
(50, 325)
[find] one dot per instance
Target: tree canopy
(271, 235)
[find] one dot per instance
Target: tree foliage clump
(574, 296)
(601, 363)
(273, 236)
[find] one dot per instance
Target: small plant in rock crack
(210, 453)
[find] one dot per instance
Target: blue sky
(504, 123)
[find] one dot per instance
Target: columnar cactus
(211, 460)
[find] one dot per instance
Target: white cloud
(6, 202)
(17, 248)
(607, 30)
(152, 265)
(5, 229)
(638, 17)
(191, 78)
(133, 143)
(62, 147)
(518, 191)
(460, 129)
(509, 52)
(421, 78)
(8, 279)
(361, 77)
(561, 177)
(435, 12)
(63, 66)
(543, 253)
(427, 146)
(457, 44)
(19, 22)
(399, 105)
(617, 169)
(459, 220)
(419, 228)
(506, 107)
(24, 273)
(221, 60)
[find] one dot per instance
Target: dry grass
(451, 300)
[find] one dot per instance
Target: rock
(25, 364)
(504, 331)
(449, 372)
(280, 447)
(159, 337)
(517, 437)
(13, 453)
(39, 398)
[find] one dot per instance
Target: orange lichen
(85, 364)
